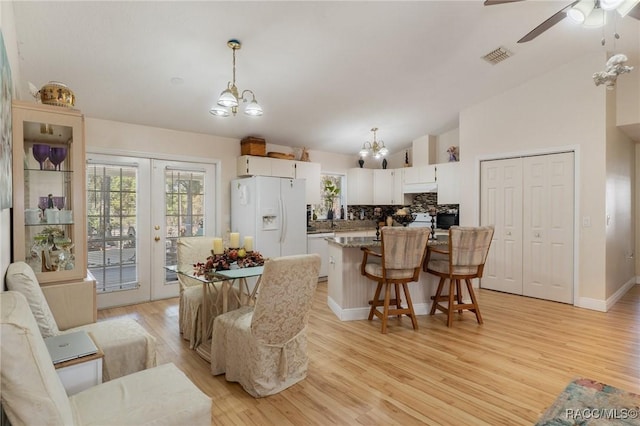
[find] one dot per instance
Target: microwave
(447, 220)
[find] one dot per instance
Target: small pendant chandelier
(229, 98)
(377, 149)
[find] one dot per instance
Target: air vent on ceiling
(497, 55)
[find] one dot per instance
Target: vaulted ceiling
(324, 72)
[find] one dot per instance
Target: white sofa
(126, 344)
(32, 393)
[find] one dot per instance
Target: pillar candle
(217, 246)
(248, 243)
(234, 240)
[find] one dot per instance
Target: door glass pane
(112, 224)
(184, 213)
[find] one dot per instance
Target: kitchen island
(349, 292)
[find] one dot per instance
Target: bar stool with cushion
(402, 253)
(466, 256)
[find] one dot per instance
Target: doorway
(137, 208)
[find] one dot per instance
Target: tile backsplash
(419, 204)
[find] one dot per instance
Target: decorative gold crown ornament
(56, 93)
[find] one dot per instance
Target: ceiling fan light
(253, 109)
(581, 11)
(610, 4)
(227, 99)
(596, 19)
(626, 7)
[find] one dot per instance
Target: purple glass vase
(41, 152)
(57, 156)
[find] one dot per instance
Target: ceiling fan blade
(554, 19)
(494, 2)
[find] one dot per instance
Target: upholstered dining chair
(192, 250)
(402, 253)
(264, 346)
(466, 255)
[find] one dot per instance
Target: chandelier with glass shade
(230, 97)
(375, 148)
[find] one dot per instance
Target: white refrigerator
(273, 211)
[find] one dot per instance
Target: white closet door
(501, 206)
(548, 227)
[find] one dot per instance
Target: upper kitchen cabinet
(388, 186)
(311, 173)
(420, 174)
(449, 183)
(49, 207)
(359, 186)
(253, 165)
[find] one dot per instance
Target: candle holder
(432, 213)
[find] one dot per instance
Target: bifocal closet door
(501, 206)
(548, 226)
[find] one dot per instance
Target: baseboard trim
(354, 314)
(605, 305)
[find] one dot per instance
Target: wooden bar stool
(467, 254)
(402, 253)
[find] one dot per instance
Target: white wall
(7, 26)
(636, 194)
(554, 110)
(620, 230)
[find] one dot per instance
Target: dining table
(230, 278)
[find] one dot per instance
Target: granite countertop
(357, 242)
(338, 230)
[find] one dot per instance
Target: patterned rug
(587, 402)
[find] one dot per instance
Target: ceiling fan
(579, 10)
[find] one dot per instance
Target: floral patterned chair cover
(466, 256)
(264, 347)
(402, 253)
(192, 250)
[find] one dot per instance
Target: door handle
(157, 227)
(157, 238)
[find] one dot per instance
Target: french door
(137, 209)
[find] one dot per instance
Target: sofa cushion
(159, 396)
(126, 345)
(21, 278)
(32, 392)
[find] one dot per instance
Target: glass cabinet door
(49, 206)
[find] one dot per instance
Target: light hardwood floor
(504, 372)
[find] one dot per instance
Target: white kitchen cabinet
(449, 182)
(387, 186)
(359, 186)
(283, 168)
(419, 174)
(311, 173)
(253, 165)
